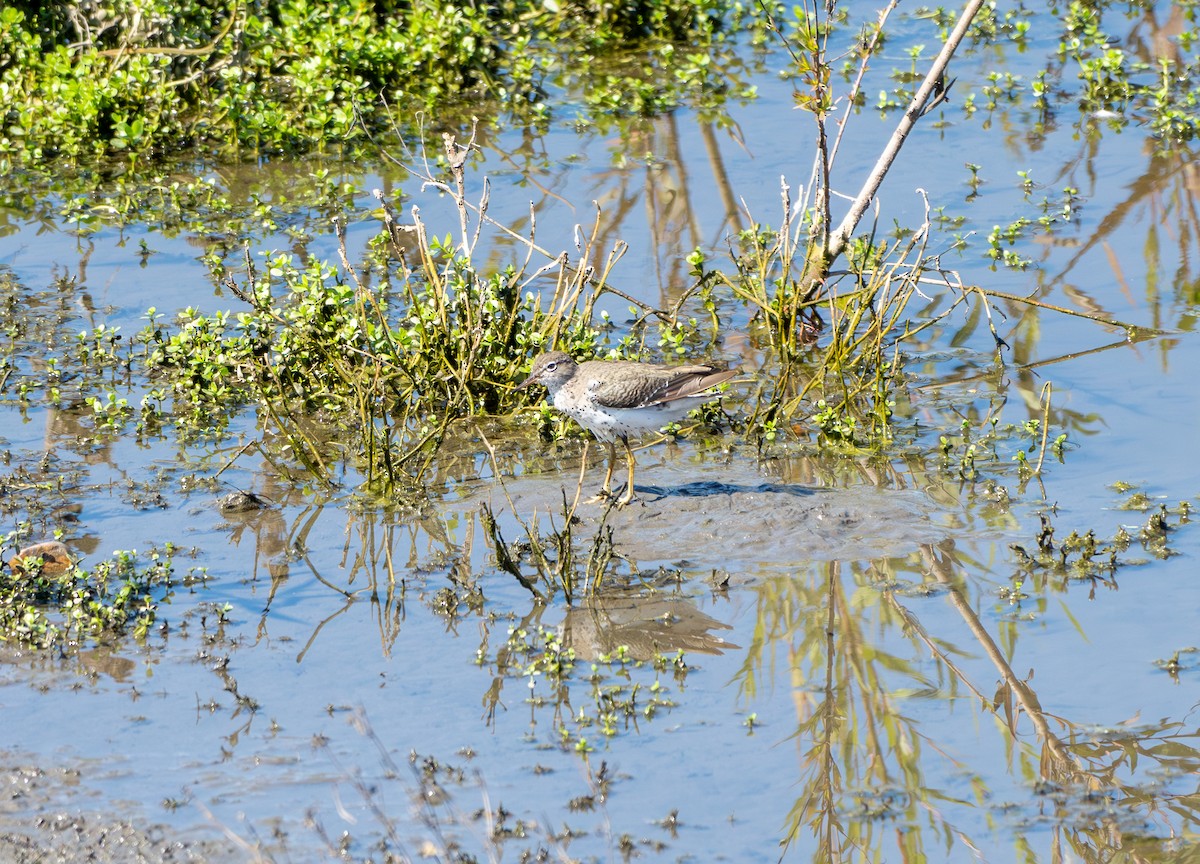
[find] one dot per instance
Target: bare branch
(934, 83)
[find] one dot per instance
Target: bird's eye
(550, 367)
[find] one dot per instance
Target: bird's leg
(606, 489)
(628, 496)
(605, 493)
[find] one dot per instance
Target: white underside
(610, 424)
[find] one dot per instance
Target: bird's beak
(526, 383)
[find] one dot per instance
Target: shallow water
(852, 643)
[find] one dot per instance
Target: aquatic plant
(831, 296)
(384, 357)
(106, 79)
(73, 605)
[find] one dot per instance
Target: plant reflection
(865, 762)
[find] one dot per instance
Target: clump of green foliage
(145, 79)
(117, 596)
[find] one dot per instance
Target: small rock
(54, 556)
(241, 501)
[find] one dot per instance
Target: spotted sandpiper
(617, 399)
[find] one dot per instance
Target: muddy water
(866, 669)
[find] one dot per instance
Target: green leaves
(289, 76)
(117, 595)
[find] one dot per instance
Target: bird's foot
(602, 497)
(607, 496)
(628, 498)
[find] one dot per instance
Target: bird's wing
(669, 384)
(627, 392)
(692, 381)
